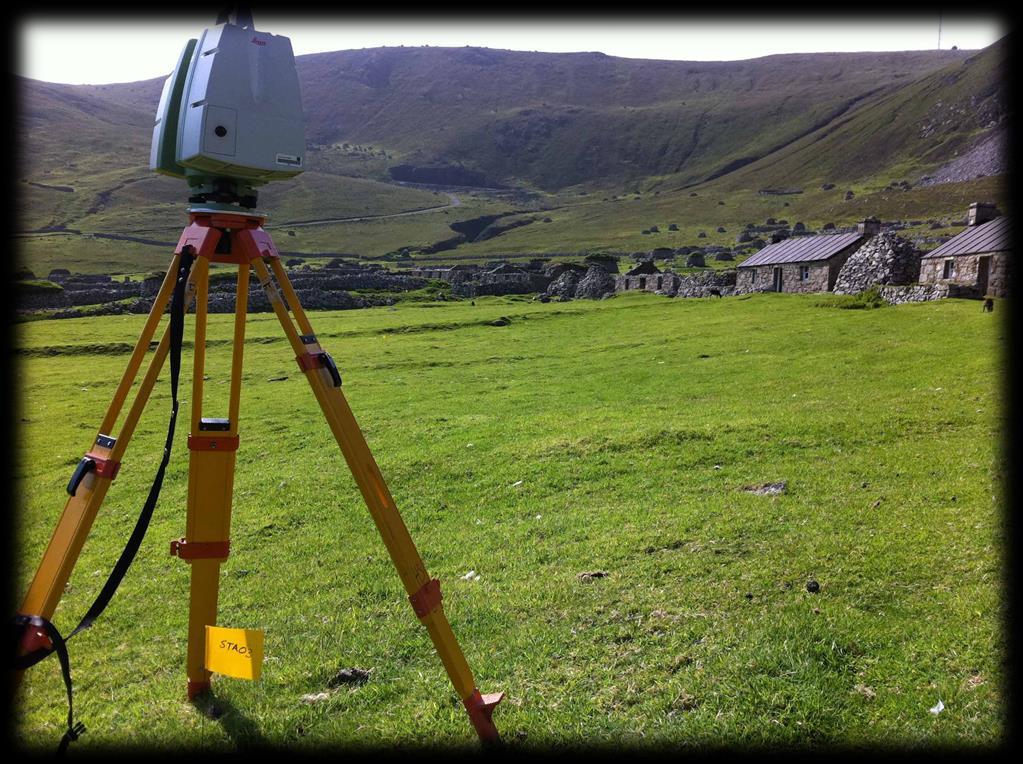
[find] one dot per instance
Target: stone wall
(897, 294)
(81, 293)
(884, 259)
(324, 280)
(500, 284)
(321, 289)
(702, 284)
(965, 269)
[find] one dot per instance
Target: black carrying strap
(59, 643)
(74, 731)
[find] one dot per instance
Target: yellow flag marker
(234, 652)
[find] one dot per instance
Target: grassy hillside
(613, 145)
(615, 436)
(556, 120)
(897, 136)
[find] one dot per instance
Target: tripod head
(230, 116)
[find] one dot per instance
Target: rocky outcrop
(884, 259)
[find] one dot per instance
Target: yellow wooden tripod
(239, 238)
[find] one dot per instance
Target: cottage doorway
(777, 280)
(983, 272)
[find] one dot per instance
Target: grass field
(615, 436)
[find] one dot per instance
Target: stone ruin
(595, 284)
(500, 281)
(886, 258)
(563, 287)
(573, 284)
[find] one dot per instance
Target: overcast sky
(94, 50)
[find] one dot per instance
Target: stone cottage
(978, 257)
(804, 263)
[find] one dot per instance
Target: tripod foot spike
(196, 688)
(481, 709)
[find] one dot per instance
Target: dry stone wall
(320, 289)
(705, 283)
(897, 294)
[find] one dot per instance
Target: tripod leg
(97, 469)
(212, 447)
(424, 592)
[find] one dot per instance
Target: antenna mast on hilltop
(939, 30)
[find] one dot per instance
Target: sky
(65, 49)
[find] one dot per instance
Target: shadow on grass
(240, 728)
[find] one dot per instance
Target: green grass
(633, 425)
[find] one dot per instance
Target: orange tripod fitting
(237, 238)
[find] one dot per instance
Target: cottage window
(804, 272)
(950, 269)
(626, 284)
(753, 276)
(659, 280)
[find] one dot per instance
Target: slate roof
(993, 236)
(803, 249)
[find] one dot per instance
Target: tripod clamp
(317, 359)
(93, 462)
